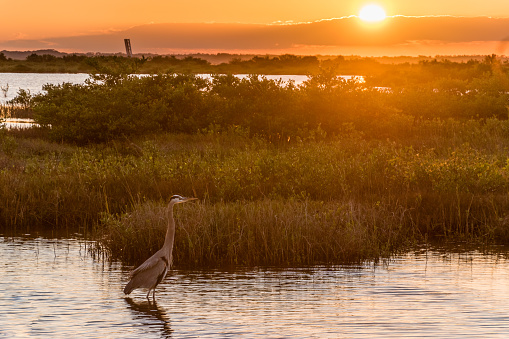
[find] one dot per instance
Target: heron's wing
(151, 262)
(148, 275)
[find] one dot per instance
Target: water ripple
(52, 288)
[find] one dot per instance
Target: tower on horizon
(128, 50)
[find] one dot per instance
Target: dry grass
(266, 232)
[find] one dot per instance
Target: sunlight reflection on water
(53, 288)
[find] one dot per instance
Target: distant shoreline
(52, 61)
(218, 58)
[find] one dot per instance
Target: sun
(372, 13)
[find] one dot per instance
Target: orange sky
(30, 24)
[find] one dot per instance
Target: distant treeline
(384, 70)
(41, 63)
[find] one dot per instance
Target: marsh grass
(307, 201)
(250, 233)
(300, 232)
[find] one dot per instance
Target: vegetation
(332, 201)
(118, 103)
(330, 171)
(47, 63)
(383, 71)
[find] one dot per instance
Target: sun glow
(372, 13)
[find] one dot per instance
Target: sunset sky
(276, 26)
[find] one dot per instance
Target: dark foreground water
(55, 289)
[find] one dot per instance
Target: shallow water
(34, 82)
(55, 289)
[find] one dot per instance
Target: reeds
(302, 202)
(265, 232)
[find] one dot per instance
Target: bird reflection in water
(150, 314)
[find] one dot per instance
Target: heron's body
(150, 273)
(153, 270)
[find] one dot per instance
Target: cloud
(343, 33)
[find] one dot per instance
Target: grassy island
(330, 171)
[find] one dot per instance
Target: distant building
(128, 50)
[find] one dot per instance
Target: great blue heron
(154, 269)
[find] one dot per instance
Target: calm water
(34, 81)
(54, 289)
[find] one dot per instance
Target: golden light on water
(372, 13)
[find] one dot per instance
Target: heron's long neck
(170, 232)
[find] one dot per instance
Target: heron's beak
(188, 199)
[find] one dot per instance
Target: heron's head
(178, 199)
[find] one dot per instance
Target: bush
(110, 108)
(115, 105)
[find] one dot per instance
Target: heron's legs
(153, 294)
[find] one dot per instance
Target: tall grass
(262, 232)
(301, 202)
